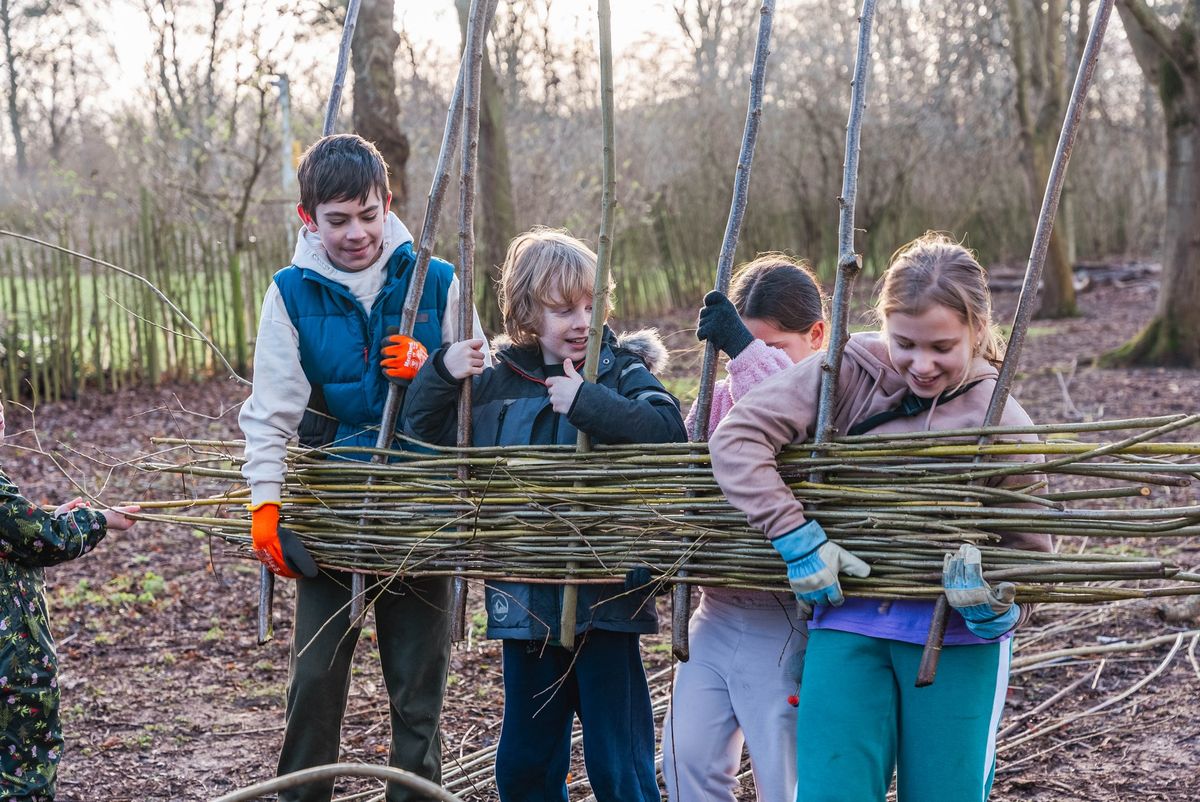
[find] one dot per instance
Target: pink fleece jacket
(759, 361)
(756, 363)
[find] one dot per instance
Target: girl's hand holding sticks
(989, 612)
(814, 562)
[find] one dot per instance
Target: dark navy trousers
(545, 687)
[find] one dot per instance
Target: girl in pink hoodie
(861, 720)
(747, 647)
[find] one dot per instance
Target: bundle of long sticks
(552, 514)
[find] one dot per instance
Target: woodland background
(183, 174)
(180, 170)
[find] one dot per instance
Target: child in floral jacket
(30, 736)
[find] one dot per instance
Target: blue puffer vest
(340, 345)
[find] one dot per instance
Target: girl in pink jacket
(747, 647)
(860, 719)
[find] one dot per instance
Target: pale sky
(430, 20)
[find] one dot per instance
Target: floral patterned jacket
(30, 735)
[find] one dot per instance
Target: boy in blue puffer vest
(320, 361)
(535, 396)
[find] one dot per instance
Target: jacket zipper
(500, 419)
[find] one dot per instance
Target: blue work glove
(989, 612)
(721, 325)
(814, 562)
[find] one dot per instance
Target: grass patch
(685, 388)
(120, 591)
(1031, 333)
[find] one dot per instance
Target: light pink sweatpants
(746, 650)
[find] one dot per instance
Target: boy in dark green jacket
(31, 738)
(535, 396)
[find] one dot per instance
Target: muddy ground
(166, 695)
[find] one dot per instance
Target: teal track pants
(861, 719)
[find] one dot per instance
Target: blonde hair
(936, 269)
(543, 267)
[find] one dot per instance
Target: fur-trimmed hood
(644, 344)
(648, 346)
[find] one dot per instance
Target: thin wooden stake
(416, 286)
(476, 35)
(681, 596)
(1029, 287)
(266, 583)
(849, 262)
(591, 364)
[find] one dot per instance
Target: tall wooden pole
(681, 596)
(476, 35)
(1027, 303)
(849, 263)
(266, 580)
(408, 318)
(591, 363)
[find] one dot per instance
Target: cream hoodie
(271, 415)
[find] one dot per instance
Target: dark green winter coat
(30, 736)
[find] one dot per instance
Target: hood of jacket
(644, 344)
(310, 253)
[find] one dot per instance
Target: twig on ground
(1063, 722)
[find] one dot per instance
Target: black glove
(638, 578)
(719, 324)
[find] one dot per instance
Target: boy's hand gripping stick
(279, 549)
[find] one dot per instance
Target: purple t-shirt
(902, 619)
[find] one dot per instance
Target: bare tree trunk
(10, 65)
(1169, 61)
(1173, 335)
(376, 107)
(497, 211)
(1039, 59)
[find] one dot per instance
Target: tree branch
(1149, 37)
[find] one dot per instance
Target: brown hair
(543, 266)
(935, 269)
(779, 290)
(341, 167)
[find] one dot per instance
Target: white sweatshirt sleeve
(271, 415)
(450, 323)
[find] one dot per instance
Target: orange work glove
(402, 358)
(264, 533)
